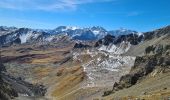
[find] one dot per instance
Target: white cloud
(17, 22)
(46, 5)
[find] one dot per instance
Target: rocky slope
(154, 63)
(12, 87)
(101, 68)
(6, 90)
(159, 36)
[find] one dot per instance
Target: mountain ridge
(13, 34)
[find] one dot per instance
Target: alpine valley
(73, 63)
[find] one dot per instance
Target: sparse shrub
(167, 63)
(167, 47)
(149, 49)
(159, 49)
(106, 93)
(59, 73)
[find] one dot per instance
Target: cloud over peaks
(45, 5)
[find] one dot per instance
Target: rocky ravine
(13, 87)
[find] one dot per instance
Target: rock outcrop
(6, 91)
(80, 45)
(145, 66)
(133, 39)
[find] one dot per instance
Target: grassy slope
(61, 81)
(140, 49)
(151, 88)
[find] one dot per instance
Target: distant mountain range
(10, 35)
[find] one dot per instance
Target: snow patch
(105, 68)
(122, 48)
(24, 37)
(72, 28)
(96, 32)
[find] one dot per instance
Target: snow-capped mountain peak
(122, 31)
(72, 28)
(66, 28)
(74, 32)
(96, 32)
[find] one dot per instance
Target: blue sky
(140, 15)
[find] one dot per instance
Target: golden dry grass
(161, 95)
(44, 60)
(70, 78)
(151, 88)
(41, 72)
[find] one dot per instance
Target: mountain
(65, 64)
(119, 44)
(151, 65)
(67, 56)
(91, 33)
(26, 35)
(123, 31)
(13, 35)
(159, 36)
